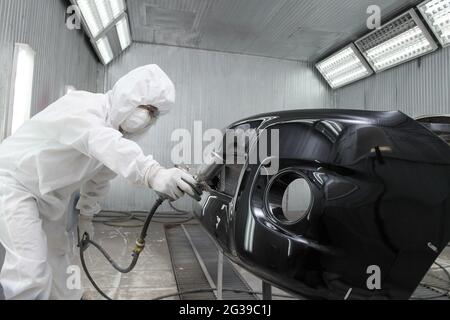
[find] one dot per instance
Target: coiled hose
(140, 246)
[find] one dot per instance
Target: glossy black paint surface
(381, 197)
(440, 125)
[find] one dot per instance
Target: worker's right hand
(173, 183)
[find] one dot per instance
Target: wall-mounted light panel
(437, 15)
(344, 67)
(403, 39)
(105, 21)
(21, 87)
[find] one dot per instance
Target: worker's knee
(25, 279)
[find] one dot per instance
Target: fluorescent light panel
(123, 31)
(400, 40)
(23, 85)
(117, 7)
(100, 14)
(437, 15)
(91, 16)
(104, 48)
(105, 12)
(344, 67)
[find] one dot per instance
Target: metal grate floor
(188, 272)
(195, 263)
(436, 283)
(209, 254)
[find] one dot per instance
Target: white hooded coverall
(74, 143)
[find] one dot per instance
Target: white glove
(85, 224)
(173, 183)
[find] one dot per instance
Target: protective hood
(147, 85)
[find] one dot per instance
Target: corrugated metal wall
(420, 87)
(218, 89)
(63, 57)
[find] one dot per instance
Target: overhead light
(100, 14)
(23, 85)
(105, 12)
(91, 16)
(124, 33)
(117, 6)
(344, 67)
(104, 48)
(437, 15)
(400, 40)
(105, 21)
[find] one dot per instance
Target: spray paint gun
(199, 187)
(209, 170)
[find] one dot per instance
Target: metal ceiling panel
(287, 29)
(162, 18)
(173, 22)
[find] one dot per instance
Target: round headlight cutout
(289, 198)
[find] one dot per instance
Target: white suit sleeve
(122, 156)
(94, 191)
(107, 145)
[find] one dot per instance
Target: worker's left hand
(86, 225)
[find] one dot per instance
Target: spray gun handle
(164, 197)
(197, 188)
(198, 191)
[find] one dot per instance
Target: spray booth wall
(217, 89)
(63, 57)
(420, 87)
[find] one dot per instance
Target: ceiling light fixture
(344, 67)
(124, 33)
(104, 48)
(398, 41)
(102, 19)
(117, 6)
(437, 15)
(91, 16)
(105, 11)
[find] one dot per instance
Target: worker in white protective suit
(77, 143)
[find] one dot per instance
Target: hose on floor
(140, 246)
(135, 220)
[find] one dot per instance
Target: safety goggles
(153, 111)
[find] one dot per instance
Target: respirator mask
(142, 118)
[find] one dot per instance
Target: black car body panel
(439, 124)
(380, 186)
